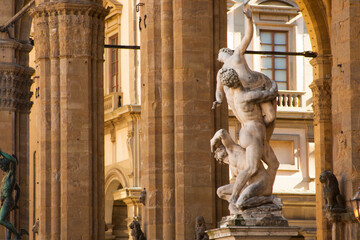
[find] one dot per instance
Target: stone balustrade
(290, 99)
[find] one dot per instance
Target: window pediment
(277, 3)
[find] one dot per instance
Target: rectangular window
(113, 64)
(275, 66)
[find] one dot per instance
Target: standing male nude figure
(251, 96)
(8, 164)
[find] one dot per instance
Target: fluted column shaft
(179, 47)
(167, 107)
(69, 50)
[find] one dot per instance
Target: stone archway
(115, 213)
(119, 220)
(121, 204)
(317, 19)
(114, 180)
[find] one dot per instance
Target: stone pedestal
(253, 233)
(262, 222)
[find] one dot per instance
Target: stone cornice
(128, 195)
(122, 112)
(321, 59)
(275, 9)
(16, 68)
(13, 44)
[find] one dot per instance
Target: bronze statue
(8, 164)
(334, 201)
(136, 232)
(142, 197)
(200, 228)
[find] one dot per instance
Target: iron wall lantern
(355, 203)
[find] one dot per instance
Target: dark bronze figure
(334, 201)
(142, 197)
(8, 164)
(200, 228)
(136, 232)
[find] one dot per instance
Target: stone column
(69, 38)
(179, 47)
(15, 101)
(321, 88)
(345, 44)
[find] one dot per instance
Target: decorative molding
(114, 173)
(321, 89)
(71, 27)
(68, 8)
(126, 111)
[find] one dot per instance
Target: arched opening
(317, 18)
(119, 215)
(115, 213)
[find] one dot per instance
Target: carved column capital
(321, 89)
(15, 85)
(321, 59)
(72, 22)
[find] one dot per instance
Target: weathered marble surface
(251, 96)
(252, 233)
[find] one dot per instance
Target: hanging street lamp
(355, 203)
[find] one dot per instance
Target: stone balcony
(112, 102)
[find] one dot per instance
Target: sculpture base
(264, 215)
(253, 233)
(261, 222)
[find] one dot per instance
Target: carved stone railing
(111, 102)
(290, 99)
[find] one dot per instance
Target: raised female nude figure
(252, 98)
